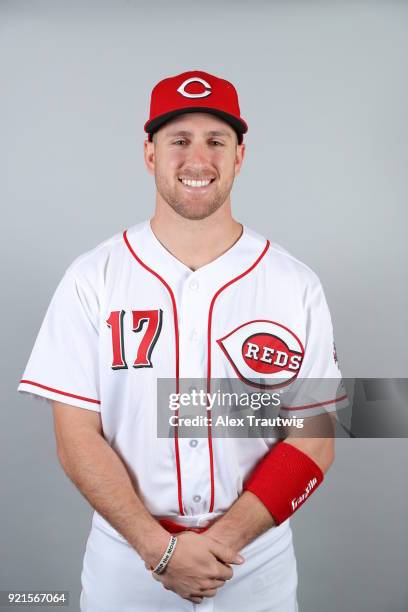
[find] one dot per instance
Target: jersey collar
(236, 260)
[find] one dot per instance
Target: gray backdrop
(323, 86)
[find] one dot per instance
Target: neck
(196, 242)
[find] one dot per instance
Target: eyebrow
(187, 133)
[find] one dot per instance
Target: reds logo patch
(263, 351)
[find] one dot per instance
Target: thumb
(226, 554)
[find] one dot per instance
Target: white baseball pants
(114, 578)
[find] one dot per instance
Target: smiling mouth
(196, 184)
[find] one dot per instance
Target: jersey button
(193, 443)
(194, 284)
(193, 335)
(196, 498)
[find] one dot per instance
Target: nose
(198, 154)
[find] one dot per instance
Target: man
(182, 521)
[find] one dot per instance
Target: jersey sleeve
(63, 364)
(319, 387)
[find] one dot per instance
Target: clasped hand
(199, 566)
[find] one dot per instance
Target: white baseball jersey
(128, 313)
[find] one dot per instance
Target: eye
(179, 140)
(217, 142)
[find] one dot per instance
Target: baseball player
(186, 522)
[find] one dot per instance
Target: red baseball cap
(191, 92)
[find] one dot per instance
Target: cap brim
(237, 124)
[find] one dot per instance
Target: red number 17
(153, 318)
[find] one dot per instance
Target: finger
(214, 584)
(208, 592)
(194, 599)
(225, 553)
(224, 572)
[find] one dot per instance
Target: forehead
(197, 122)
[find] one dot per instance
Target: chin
(194, 212)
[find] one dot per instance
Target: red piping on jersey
(306, 406)
(176, 338)
(210, 313)
(80, 397)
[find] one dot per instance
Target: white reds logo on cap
(263, 353)
(203, 94)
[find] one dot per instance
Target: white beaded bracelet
(166, 557)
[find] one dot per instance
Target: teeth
(191, 183)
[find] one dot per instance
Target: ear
(239, 157)
(149, 156)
